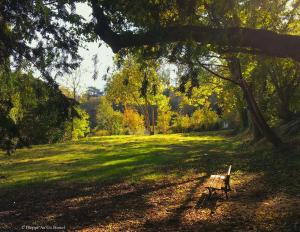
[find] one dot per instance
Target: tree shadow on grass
(131, 161)
(112, 201)
(175, 217)
(81, 206)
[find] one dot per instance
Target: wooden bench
(219, 182)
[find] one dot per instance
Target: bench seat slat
(216, 182)
(219, 182)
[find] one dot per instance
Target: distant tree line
(138, 99)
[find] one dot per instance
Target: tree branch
(218, 75)
(252, 41)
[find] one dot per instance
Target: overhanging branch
(246, 40)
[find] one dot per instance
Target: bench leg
(209, 193)
(226, 194)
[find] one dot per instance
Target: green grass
(104, 158)
(150, 182)
(144, 158)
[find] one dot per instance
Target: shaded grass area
(149, 182)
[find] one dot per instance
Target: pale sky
(105, 57)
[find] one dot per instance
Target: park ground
(150, 183)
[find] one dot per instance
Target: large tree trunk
(256, 114)
(258, 118)
(257, 135)
(244, 118)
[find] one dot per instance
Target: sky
(105, 57)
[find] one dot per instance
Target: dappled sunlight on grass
(109, 157)
(277, 208)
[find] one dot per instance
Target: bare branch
(218, 75)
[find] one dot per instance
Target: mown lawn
(150, 183)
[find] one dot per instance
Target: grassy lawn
(128, 158)
(144, 183)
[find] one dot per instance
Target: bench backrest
(227, 179)
(229, 170)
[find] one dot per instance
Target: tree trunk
(147, 116)
(258, 118)
(244, 118)
(8, 152)
(284, 96)
(153, 121)
(257, 135)
(284, 111)
(147, 119)
(73, 105)
(256, 114)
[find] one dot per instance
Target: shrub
(100, 132)
(181, 123)
(163, 122)
(79, 127)
(108, 119)
(133, 122)
(204, 119)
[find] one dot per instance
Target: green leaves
(45, 33)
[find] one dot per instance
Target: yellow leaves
(201, 94)
(133, 121)
(294, 28)
(15, 112)
(125, 85)
(168, 16)
(243, 17)
(204, 117)
(200, 10)
(181, 123)
(163, 121)
(249, 68)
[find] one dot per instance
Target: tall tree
(73, 82)
(137, 84)
(31, 112)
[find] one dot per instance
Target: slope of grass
(110, 158)
(151, 183)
